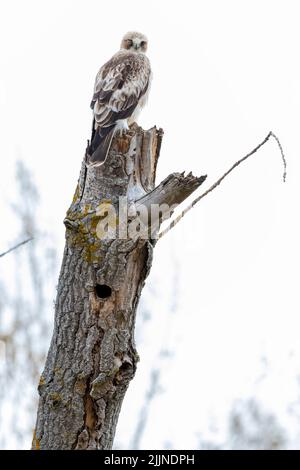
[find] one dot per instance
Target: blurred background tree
(26, 286)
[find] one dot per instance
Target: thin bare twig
(16, 246)
(282, 154)
(211, 188)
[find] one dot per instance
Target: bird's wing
(119, 85)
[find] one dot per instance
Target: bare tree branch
(16, 246)
(211, 188)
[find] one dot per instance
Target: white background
(225, 73)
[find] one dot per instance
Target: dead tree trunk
(92, 356)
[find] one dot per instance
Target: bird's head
(134, 42)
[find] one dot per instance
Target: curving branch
(219, 181)
(16, 247)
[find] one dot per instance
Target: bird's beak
(136, 46)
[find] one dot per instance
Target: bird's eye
(143, 43)
(129, 42)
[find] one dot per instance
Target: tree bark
(92, 356)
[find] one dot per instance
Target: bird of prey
(121, 90)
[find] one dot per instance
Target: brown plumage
(121, 89)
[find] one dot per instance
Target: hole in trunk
(103, 291)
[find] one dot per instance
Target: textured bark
(92, 356)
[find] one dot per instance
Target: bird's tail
(98, 149)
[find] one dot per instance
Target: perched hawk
(120, 92)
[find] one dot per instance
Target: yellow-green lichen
(76, 194)
(35, 442)
(42, 381)
(85, 233)
(55, 398)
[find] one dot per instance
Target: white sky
(225, 73)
